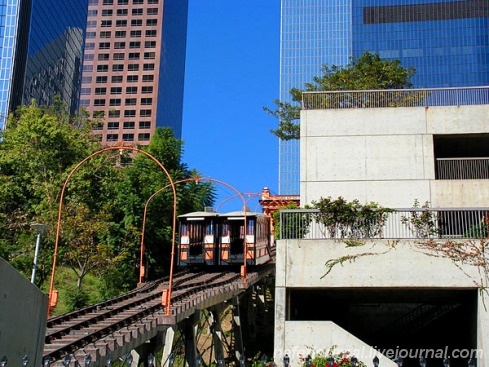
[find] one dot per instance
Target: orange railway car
(198, 238)
(208, 238)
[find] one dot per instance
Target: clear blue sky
(232, 71)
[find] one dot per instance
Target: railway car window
(225, 229)
(196, 235)
(184, 229)
(208, 228)
(236, 237)
(261, 228)
(251, 226)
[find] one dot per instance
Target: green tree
(38, 147)
(143, 179)
(84, 251)
(368, 72)
(350, 219)
(292, 225)
(103, 202)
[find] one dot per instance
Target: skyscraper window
(131, 37)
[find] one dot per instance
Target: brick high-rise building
(133, 69)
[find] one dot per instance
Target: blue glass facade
(172, 66)
(41, 52)
(446, 41)
(9, 20)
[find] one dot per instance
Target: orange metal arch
(52, 294)
(142, 249)
(166, 296)
(250, 196)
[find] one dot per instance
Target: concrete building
(445, 40)
(386, 304)
(394, 155)
(390, 295)
(41, 52)
(133, 70)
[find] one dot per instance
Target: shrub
(350, 219)
(330, 359)
(294, 226)
(421, 223)
(76, 298)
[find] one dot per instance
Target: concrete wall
(386, 155)
(301, 264)
(316, 337)
(23, 310)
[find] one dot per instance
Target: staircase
(414, 320)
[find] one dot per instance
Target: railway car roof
(240, 214)
(199, 214)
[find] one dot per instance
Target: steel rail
(73, 333)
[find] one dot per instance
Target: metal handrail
(473, 168)
(313, 100)
(402, 223)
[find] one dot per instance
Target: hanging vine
(461, 252)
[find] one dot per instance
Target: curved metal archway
(142, 271)
(167, 297)
(51, 296)
(250, 196)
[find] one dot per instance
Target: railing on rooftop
(315, 100)
(413, 223)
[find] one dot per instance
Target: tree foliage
(350, 219)
(292, 225)
(103, 203)
(38, 147)
(367, 72)
(83, 250)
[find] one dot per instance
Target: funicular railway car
(209, 238)
(234, 241)
(198, 238)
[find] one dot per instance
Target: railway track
(82, 331)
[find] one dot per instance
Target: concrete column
(190, 328)
(482, 331)
(238, 336)
(262, 292)
(279, 333)
(251, 311)
(216, 330)
(167, 347)
(136, 356)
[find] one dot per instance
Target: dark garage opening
(461, 156)
(412, 319)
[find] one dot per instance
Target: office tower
(446, 41)
(41, 52)
(134, 65)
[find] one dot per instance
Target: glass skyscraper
(446, 41)
(41, 52)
